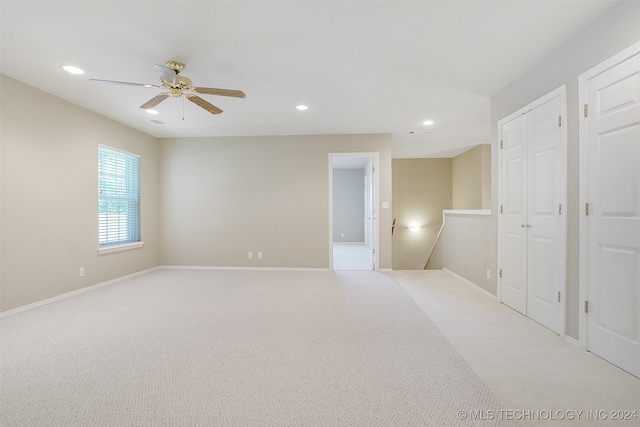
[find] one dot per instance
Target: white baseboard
(72, 293)
(473, 285)
(209, 267)
(216, 267)
(571, 340)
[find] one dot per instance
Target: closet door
(514, 214)
(532, 227)
(545, 230)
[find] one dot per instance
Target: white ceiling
(361, 66)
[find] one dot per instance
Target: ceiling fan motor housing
(184, 83)
(175, 66)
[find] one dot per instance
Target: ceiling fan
(179, 87)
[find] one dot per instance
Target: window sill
(119, 248)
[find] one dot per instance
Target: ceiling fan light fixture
(302, 107)
(179, 87)
(72, 69)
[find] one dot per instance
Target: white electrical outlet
(81, 271)
(250, 255)
(341, 234)
(488, 274)
(259, 255)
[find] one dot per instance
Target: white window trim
(119, 150)
(128, 245)
(119, 248)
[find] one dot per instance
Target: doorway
(352, 215)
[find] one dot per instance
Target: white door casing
(532, 217)
(370, 209)
(368, 206)
(610, 223)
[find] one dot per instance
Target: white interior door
(532, 228)
(514, 215)
(370, 210)
(612, 132)
(368, 207)
(546, 237)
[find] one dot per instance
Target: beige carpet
(352, 257)
(237, 348)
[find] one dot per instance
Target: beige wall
(49, 196)
(471, 178)
(423, 188)
(467, 246)
(225, 197)
(486, 175)
(421, 191)
(467, 179)
(611, 34)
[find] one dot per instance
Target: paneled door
(611, 138)
(513, 214)
(532, 224)
(545, 226)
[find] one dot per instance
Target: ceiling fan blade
(221, 92)
(125, 83)
(168, 74)
(155, 100)
(204, 104)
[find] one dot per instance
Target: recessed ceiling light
(154, 112)
(302, 107)
(72, 69)
(428, 122)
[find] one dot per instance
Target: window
(118, 197)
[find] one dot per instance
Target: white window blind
(118, 197)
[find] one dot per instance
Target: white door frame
(584, 180)
(562, 93)
(375, 241)
(368, 204)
